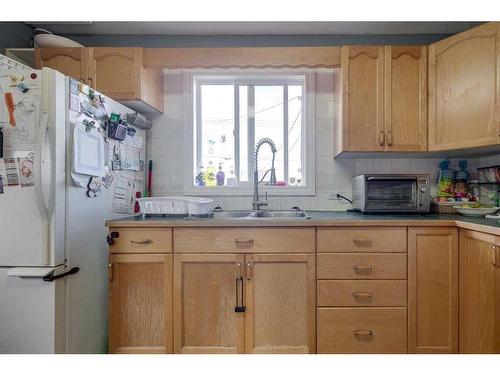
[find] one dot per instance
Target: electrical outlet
(333, 196)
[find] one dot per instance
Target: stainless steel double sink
(260, 214)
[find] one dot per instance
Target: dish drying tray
(174, 205)
(9, 64)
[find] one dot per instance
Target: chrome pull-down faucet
(256, 202)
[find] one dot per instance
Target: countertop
(317, 219)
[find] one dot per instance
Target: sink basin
(264, 214)
(230, 214)
(292, 214)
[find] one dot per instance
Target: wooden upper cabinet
(280, 303)
(433, 290)
(205, 290)
(362, 76)
(140, 303)
(406, 98)
(384, 99)
(116, 72)
(464, 89)
(73, 62)
(479, 292)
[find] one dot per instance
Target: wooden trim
(235, 57)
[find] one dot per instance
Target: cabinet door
(432, 290)
(205, 292)
(479, 293)
(406, 98)
(464, 88)
(362, 71)
(117, 72)
(73, 62)
(140, 303)
(280, 304)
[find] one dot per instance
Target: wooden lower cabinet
(236, 303)
(205, 289)
(433, 290)
(479, 292)
(140, 303)
(362, 330)
(280, 303)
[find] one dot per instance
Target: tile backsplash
(165, 146)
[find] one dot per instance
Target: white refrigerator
(48, 224)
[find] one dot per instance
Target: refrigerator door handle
(37, 164)
(43, 205)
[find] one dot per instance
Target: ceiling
(256, 28)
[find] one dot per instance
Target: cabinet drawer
(142, 240)
(362, 266)
(362, 240)
(362, 330)
(244, 240)
(361, 293)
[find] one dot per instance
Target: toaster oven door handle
(372, 178)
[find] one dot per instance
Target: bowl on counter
(476, 211)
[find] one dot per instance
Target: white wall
(165, 148)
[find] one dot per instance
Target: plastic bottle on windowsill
(210, 174)
(231, 179)
(220, 176)
(200, 177)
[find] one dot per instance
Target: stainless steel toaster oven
(391, 193)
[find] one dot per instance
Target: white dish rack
(174, 205)
(9, 64)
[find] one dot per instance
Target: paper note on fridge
(130, 157)
(89, 156)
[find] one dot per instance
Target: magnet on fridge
(24, 89)
(94, 187)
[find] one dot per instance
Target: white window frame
(193, 77)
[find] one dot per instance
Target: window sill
(241, 191)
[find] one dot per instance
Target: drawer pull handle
(381, 138)
(142, 242)
(362, 241)
(244, 241)
(362, 294)
(494, 248)
(363, 333)
(362, 268)
(248, 271)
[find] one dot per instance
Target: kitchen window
(232, 112)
